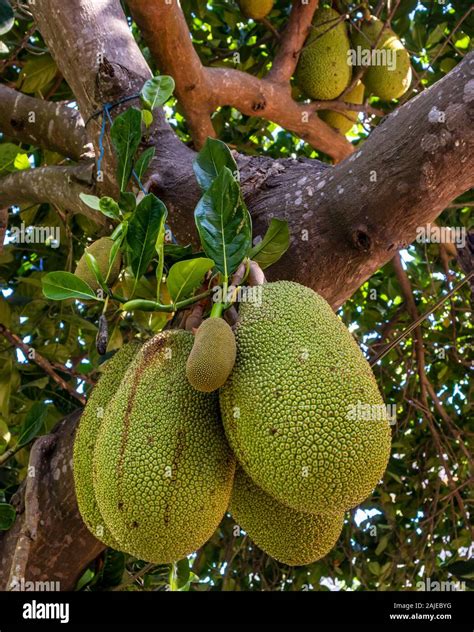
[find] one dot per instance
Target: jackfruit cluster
(325, 70)
(100, 250)
(256, 9)
(157, 469)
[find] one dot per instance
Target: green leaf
(224, 223)
(143, 231)
(9, 154)
(142, 164)
(92, 201)
(7, 516)
(127, 201)
(33, 423)
(273, 246)
(7, 17)
(182, 572)
(436, 34)
(109, 207)
(93, 266)
(211, 160)
(175, 252)
(461, 569)
(186, 276)
(126, 135)
(157, 91)
(36, 74)
(58, 286)
(147, 118)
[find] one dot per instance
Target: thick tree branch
(60, 186)
(292, 41)
(201, 90)
(42, 123)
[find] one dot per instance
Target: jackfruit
(212, 357)
(292, 405)
(344, 121)
(100, 249)
(86, 436)
(323, 70)
(256, 9)
(163, 470)
(289, 536)
(381, 79)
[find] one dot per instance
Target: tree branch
(60, 186)
(201, 90)
(42, 123)
(292, 41)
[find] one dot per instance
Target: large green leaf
(7, 516)
(33, 423)
(126, 135)
(211, 160)
(185, 276)
(143, 231)
(37, 73)
(7, 17)
(275, 243)
(58, 286)
(157, 91)
(224, 223)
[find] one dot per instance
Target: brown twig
(41, 362)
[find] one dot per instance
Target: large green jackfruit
(213, 355)
(381, 78)
(344, 121)
(256, 9)
(292, 537)
(100, 250)
(163, 470)
(86, 437)
(301, 408)
(323, 70)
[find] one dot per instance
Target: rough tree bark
(346, 221)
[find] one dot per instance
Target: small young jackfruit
(256, 9)
(301, 408)
(291, 537)
(163, 470)
(323, 70)
(86, 436)
(100, 249)
(389, 74)
(212, 357)
(344, 121)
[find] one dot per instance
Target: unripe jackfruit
(213, 355)
(289, 536)
(381, 79)
(344, 121)
(163, 470)
(292, 405)
(86, 437)
(323, 70)
(256, 9)
(100, 249)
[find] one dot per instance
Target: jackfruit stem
(153, 306)
(218, 308)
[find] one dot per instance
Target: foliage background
(416, 523)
